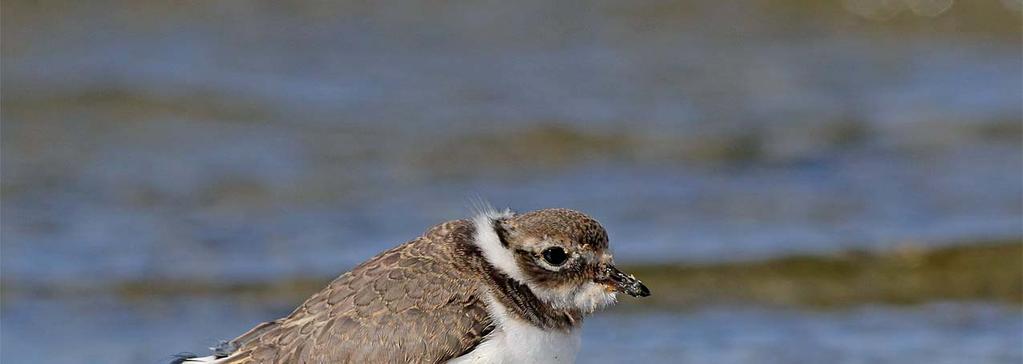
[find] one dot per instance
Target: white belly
(519, 342)
(515, 341)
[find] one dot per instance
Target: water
(244, 141)
(932, 334)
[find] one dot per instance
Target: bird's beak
(621, 282)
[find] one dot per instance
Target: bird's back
(416, 303)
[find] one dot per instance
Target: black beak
(624, 283)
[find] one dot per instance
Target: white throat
(515, 341)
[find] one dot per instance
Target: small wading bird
(498, 288)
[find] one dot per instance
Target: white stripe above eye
(490, 244)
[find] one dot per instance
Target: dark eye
(555, 255)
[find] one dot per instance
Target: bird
(498, 287)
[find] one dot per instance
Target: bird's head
(562, 255)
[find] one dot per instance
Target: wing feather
(410, 304)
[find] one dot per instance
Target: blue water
(854, 201)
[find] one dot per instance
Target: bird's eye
(555, 255)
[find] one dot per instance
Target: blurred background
(797, 181)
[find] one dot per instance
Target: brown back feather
(415, 303)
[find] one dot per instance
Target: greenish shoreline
(992, 271)
(986, 272)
